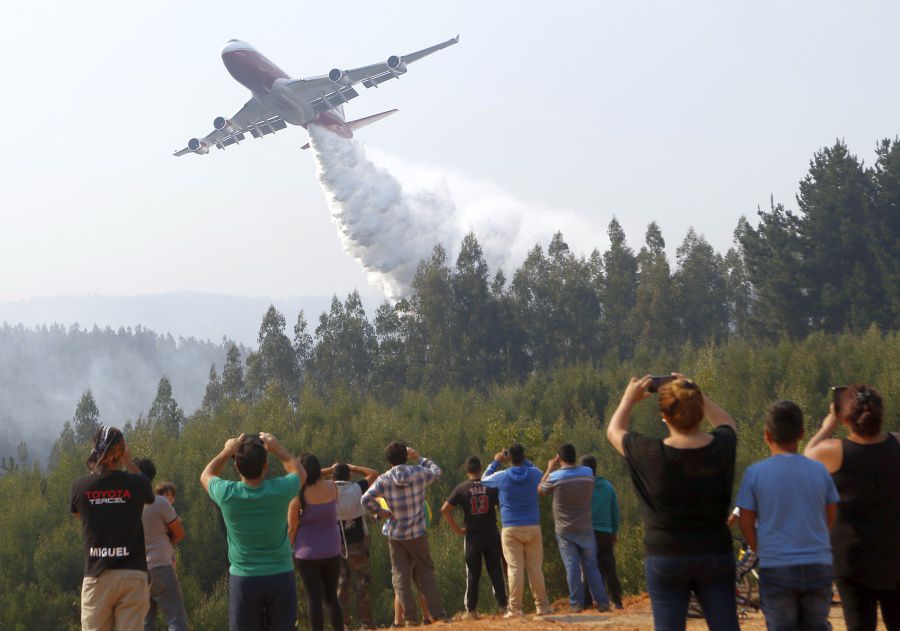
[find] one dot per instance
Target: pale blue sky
(689, 113)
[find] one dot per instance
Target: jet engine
(338, 77)
(222, 123)
(198, 146)
(396, 65)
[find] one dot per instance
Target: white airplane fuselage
(268, 84)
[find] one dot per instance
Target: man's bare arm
(215, 466)
(830, 515)
(370, 475)
(619, 424)
(748, 527)
(447, 512)
(293, 519)
(176, 531)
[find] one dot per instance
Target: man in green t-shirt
(262, 593)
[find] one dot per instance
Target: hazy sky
(690, 113)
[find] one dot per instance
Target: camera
(836, 393)
(659, 381)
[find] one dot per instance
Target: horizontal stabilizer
(368, 120)
(362, 122)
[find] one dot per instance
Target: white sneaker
(513, 614)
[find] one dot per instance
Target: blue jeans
(670, 581)
(796, 597)
(262, 603)
(579, 550)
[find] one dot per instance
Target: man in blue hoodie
(523, 546)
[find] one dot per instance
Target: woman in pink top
(313, 527)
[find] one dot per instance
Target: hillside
(45, 370)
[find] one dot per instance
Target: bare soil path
(635, 616)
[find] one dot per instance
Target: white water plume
(389, 226)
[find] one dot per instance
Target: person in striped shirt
(572, 488)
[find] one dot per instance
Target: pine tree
(885, 233)
(532, 293)
(212, 398)
(837, 227)
(574, 303)
(165, 412)
(86, 421)
(618, 291)
(64, 443)
(654, 321)
(303, 344)
(274, 361)
(345, 346)
(773, 257)
(233, 374)
(700, 286)
(474, 312)
(738, 294)
(433, 336)
(391, 364)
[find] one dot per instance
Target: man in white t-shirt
(162, 530)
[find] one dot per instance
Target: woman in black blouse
(684, 485)
(865, 539)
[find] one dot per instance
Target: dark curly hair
(863, 409)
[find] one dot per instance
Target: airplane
(277, 100)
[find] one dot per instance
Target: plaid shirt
(403, 489)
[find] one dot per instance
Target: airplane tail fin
(368, 120)
(362, 122)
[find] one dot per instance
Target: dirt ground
(634, 617)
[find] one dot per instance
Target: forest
(471, 361)
(45, 368)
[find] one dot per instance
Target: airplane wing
(252, 118)
(335, 88)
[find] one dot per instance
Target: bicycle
(746, 583)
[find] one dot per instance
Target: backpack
(349, 506)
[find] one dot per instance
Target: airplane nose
(232, 45)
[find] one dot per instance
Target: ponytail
(864, 409)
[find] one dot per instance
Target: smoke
(390, 227)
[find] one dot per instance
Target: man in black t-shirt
(110, 503)
(479, 505)
(355, 574)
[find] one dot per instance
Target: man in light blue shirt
(572, 487)
(788, 504)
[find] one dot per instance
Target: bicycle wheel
(748, 591)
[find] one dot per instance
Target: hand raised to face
(232, 444)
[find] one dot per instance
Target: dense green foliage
(467, 363)
(40, 551)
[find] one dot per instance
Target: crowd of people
(830, 515)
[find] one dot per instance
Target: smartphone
(506, 453)
(660, 381)
(836, 393)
